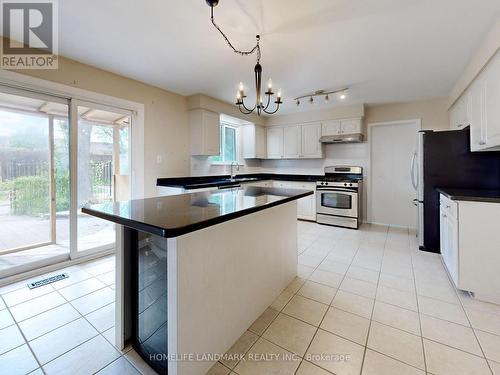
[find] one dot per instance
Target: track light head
(212, 3)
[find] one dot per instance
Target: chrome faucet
(234, 164)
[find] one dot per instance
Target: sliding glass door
(34, 171)
(56, 156)
(102, 161)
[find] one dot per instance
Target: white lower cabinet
(306, 207)
(470, 246)
(449, 239)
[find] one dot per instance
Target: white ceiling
(384, 50)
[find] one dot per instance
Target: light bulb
(311, 100)
(270, 84)
(238, 95)
(298, 102)
(342, 96)
(327, 98)
(241, 87)
(279, 93)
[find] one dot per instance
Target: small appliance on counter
(444, 160)
(338, 196)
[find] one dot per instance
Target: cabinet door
(306, 208)
(492, 103)
(350, 126)
(274, 143)
(260, 142)
(311, 146)
(477, 115)
(211, 133)
(331, 127)
(449, 244)
(291, 142)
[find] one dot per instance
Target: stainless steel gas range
(338, 196)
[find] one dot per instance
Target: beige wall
(434, 113)
(166, 131)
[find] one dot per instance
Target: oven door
(337, 201)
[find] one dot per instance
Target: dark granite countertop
(176, 215)
(199, 182)
(477, 195)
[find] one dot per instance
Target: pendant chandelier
(259, 106)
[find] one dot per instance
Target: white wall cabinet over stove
(470, 246)
(345, 126)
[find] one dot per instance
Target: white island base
(220, 279)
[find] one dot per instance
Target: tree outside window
(228, 145)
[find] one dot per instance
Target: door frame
(371, 126)
(73, 171)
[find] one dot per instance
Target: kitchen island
(195, 270)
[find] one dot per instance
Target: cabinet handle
(444, 215)
(447, 206)
(482, 143)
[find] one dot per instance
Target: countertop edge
(179, 231)
(467, 198)
(176, 181)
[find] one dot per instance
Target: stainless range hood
(342, 138)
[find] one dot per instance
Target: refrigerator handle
(412, 169)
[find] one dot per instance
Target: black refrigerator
(444, 159)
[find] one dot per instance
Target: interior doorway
(390, 196)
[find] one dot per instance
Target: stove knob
(322, 183)
(345, 183)
(350, 184)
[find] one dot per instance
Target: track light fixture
(325, 93)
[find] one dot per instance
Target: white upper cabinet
(492, 104)
(294, 142)
(331, 127)
(461, 112)
(291, 142)
(205, 132)
(345, 126)
(254, 142)
(479, 107)
(350, 126)
(311, 146)
(274, 137)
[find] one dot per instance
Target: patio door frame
(73, 171)
(51, 175)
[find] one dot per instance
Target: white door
(291, 141)
(311, 147)
(391, 192)
(274, 143)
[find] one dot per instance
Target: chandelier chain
(242, 53)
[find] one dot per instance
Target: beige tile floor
(364, 302)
